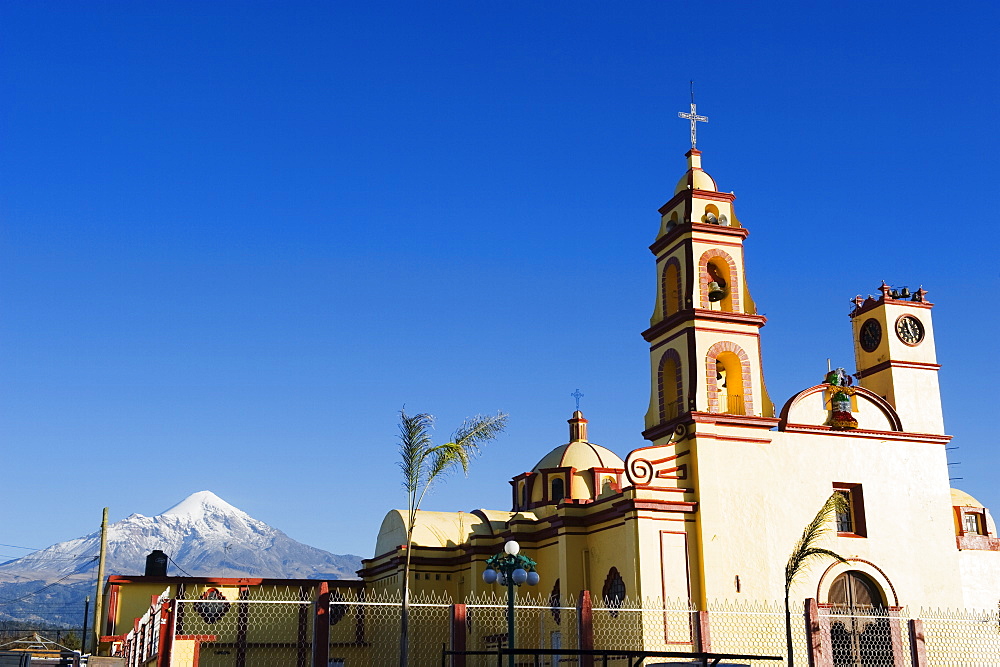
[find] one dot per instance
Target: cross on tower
(694, 118)
(577, 395)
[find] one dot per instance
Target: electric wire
(179, 567)
(48, 586)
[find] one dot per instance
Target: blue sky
(237, 237)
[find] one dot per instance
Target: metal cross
(694, 118)
(577, 395)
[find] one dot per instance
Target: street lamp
(509, 568)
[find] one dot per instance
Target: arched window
(720, 285)
(718, 280)
(671, 299)
(729, 382)
(558, 490)
(670, 386)
(338, 608)
(555, 600)
(524, 496)
(730, 390)
(614, 591)
(859, 625)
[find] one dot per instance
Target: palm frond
(476, 431)
(443, 458)
(805, 549)
(414, 443)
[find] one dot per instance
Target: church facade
(711, 508)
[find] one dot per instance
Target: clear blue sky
(237, 237)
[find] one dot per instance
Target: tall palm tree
(806, 550)
(423, 463)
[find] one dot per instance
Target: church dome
(579, 453)
(695, 178)
(960, 498)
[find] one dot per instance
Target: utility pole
(83, 640)
(99, 596)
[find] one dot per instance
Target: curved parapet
(811, 408)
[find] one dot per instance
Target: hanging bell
(904, 293)
(711, 219)
(715, 293)
(894, 294)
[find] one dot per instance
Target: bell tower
(704, 334)
(896, 359)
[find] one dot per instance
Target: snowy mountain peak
(203, 535)
(198, 504)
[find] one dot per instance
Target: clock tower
(894, 350)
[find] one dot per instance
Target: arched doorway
(860, 632)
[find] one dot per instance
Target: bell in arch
(715, 293)
(711, 219)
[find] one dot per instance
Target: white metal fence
(279, 627)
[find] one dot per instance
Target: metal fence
(279, 627)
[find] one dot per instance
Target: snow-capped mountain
(203, 535)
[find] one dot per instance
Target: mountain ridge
(203, 535)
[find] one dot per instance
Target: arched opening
(558, 490)
(671, 223)
(670, 386)
(729, 384)
(670, 289)
(860, 633)
(720, 286)
(711, 216)
(614, 591)
(524, 496)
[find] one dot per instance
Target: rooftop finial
(694, 118)
(577, 395)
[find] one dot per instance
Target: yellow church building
(711, 509)
(682, 544)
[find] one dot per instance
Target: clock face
(910, 330)
(871, 335)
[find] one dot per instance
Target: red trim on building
(896, 363)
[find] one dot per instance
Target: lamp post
(509, 568)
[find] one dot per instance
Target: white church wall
(756, 497)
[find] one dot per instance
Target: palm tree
(806, 550)
(423, 463)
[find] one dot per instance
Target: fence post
(814, 637)
(703, 633)
(585, 628)
(918, 645)
(321, 627)
(458, 631)
(242, 626)
(896, 636)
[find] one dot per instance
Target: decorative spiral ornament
(639, 472)
(679, 432)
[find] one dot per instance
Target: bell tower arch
(704, 334)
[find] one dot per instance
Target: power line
(179, 567)
(15, 546)
(47, 586)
